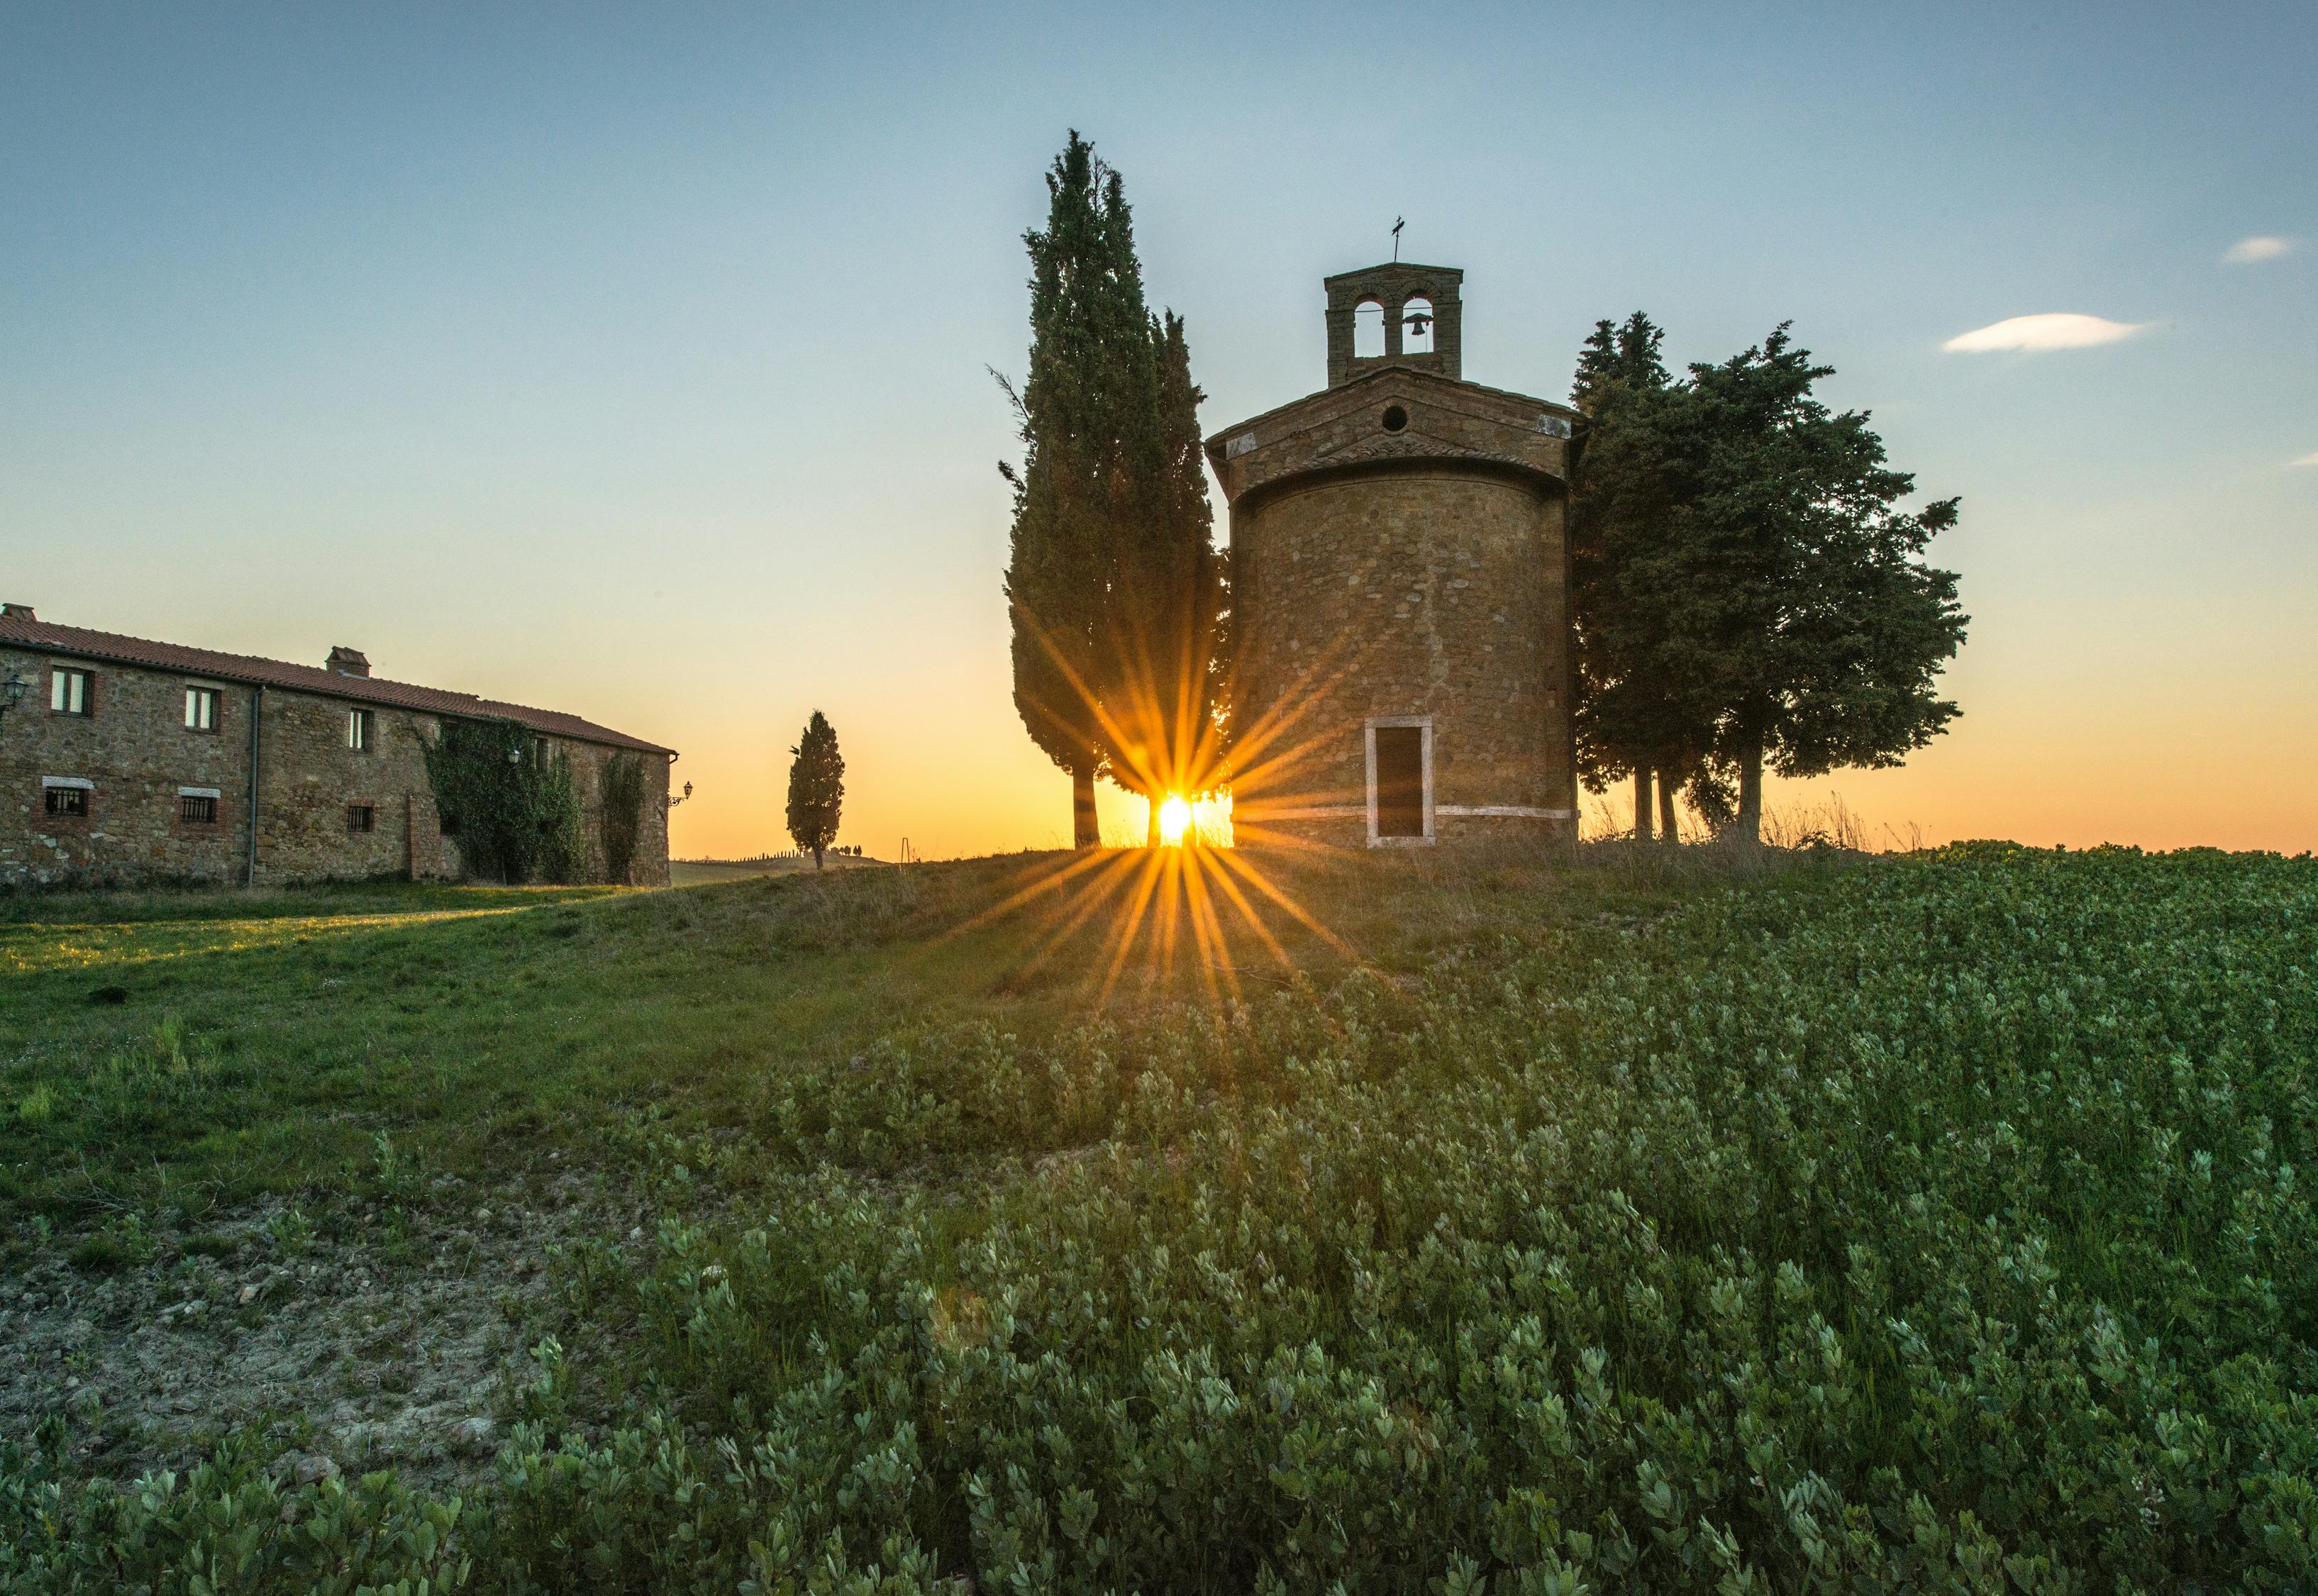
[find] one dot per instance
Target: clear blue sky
(633, 363)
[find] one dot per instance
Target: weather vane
(1398, 222)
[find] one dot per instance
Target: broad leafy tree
(1750, 591)
(1111, 583)
(1824, 629)
(816, 788)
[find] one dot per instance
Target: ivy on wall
(622, 790)
(508, 801)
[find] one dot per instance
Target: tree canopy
(816, 788)
(1749, 589)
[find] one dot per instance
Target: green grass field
(1637, 1223)
(704, 872)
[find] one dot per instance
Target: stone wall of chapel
(1425, 590)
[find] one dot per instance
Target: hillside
(1917, 1223)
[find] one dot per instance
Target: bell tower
(1423, 314)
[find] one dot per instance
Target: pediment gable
(1395, 413)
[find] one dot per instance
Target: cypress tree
(816, 788)
(1111, 585)
(1174, 599)
(1057, 575)
(1639, 711)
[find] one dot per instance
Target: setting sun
(1174, 819)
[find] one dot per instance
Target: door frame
(1425, 744)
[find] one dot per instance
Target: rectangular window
(361, 818)
(201, 709)
(199, 810)
(1397, 774)
(69, 691)
(68, 802)
(358, 729)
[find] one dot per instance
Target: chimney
(346, 662)
(17, 612)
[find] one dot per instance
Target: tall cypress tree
(816, 788)
(1112, 584)
(1167, 700)
(1057, 579)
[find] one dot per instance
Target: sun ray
(1303, 917)
(1230, 889)
(1192, 901)
(1125, 937)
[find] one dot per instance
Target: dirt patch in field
(354, 1335)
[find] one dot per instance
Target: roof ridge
(261, 671)
(1380, 374)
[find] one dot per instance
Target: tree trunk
(1085, 830)
(1749, 825)
(816, 859)
(1667, 832)
(1641, 804)
(1151, 837)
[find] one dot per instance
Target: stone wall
(1410, 589)
(137, 753)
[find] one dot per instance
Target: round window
(1395, 418)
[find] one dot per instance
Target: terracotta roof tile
(83, 643)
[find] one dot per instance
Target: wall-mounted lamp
(687, 793)
(11, 693)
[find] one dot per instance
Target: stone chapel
(1400, 585)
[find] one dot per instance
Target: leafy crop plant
(1937, 1225)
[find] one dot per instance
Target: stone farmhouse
(1401, 585)
(126, 761)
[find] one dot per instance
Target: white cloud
(2261, 246)
(2053, 330)
(2309, 459)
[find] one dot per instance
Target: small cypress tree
(816, 788)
